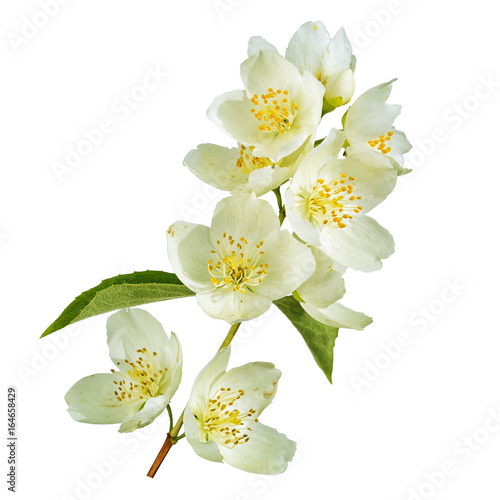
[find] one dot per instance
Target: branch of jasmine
(173, 434)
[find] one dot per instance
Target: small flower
(330, 60)
(278, 110)
(222, 417)
(238, 170)
(242, 263)
(319, 295)
(368, 125)
(149, 372)
(328, 198)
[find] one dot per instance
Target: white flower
(319, 295)
(239, 170)
(221, 417)
(329, 60)
(368, 125)
(149, 372)
(328, 198)
(278, 110)
(240, 265)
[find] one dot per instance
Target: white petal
(289, 262)
(231, 112)
(326, 285)
(338, 56)
(216, 165)
(233, 306)
(374, 176)
(324, 153)
(147, 414)
(246, 216)
(267, 451)
(309, 99)
(208, 376)
(308, 46)
(268, 69)
(257, 43)
(361, 245)
(285, 144)
(205, 449)
(189, 247)
(369, 116)
(172, 379)
(92, 400)
(131, 329)
(265, 179)
(338, 316)
(399, 146)
(296, 212)
(258, 380)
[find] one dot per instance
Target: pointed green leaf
(125, 290)
(319, 338)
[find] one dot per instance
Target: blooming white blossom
(149, 370)
(330, 60)
(222, 417)
(368, 125)
(278, 110)
(328, 198)
(319, 295)
(242, 263)
(239, 170)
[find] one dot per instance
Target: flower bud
(340, 90)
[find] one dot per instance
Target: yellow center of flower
(274, 110)
(380, 142)
(144, 378)
(247, 162)
(226, 425)
(236, 265)
(333, 202)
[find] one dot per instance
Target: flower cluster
(246, 260)
(243, 262)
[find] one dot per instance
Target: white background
(377, 433)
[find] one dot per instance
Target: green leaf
(319, 338)
(125, 290)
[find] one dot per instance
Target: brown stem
(172, 435)
(161, 456)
